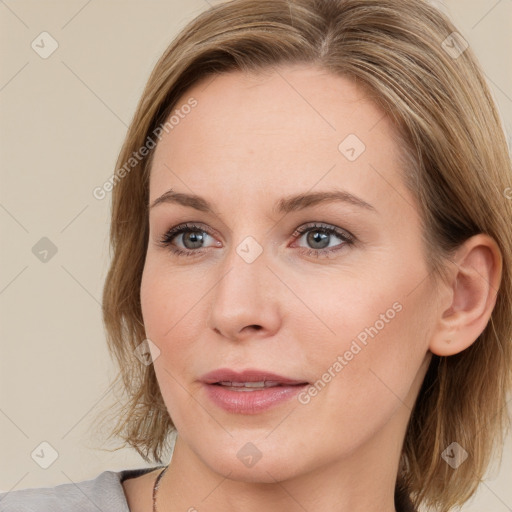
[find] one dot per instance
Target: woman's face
(343, 309)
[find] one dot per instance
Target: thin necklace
(155, 487)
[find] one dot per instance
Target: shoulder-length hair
(411, 60)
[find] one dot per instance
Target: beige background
(62, 121)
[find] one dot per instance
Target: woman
(311, 275)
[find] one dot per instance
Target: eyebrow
(284, 205)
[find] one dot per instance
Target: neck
(363, 481)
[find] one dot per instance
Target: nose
(245, 301)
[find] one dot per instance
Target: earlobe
(473, 287)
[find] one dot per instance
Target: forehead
(290, 128)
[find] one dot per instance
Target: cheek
(173, 319)
(153, 301)
(167, 300)
(367, 371)
(162, 308)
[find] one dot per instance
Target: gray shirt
(101, 494)
(104, 494)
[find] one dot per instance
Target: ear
(471, 291)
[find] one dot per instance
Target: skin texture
(251, 140)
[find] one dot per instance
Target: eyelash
(347, 238)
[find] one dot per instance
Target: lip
(251, 401)
(249, 375)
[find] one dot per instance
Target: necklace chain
(155, 487)
(157, 484)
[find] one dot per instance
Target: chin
(257, 462)
(265, 472)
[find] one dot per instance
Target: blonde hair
(407, 57)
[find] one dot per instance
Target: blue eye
(198, 235)
(319, 236)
